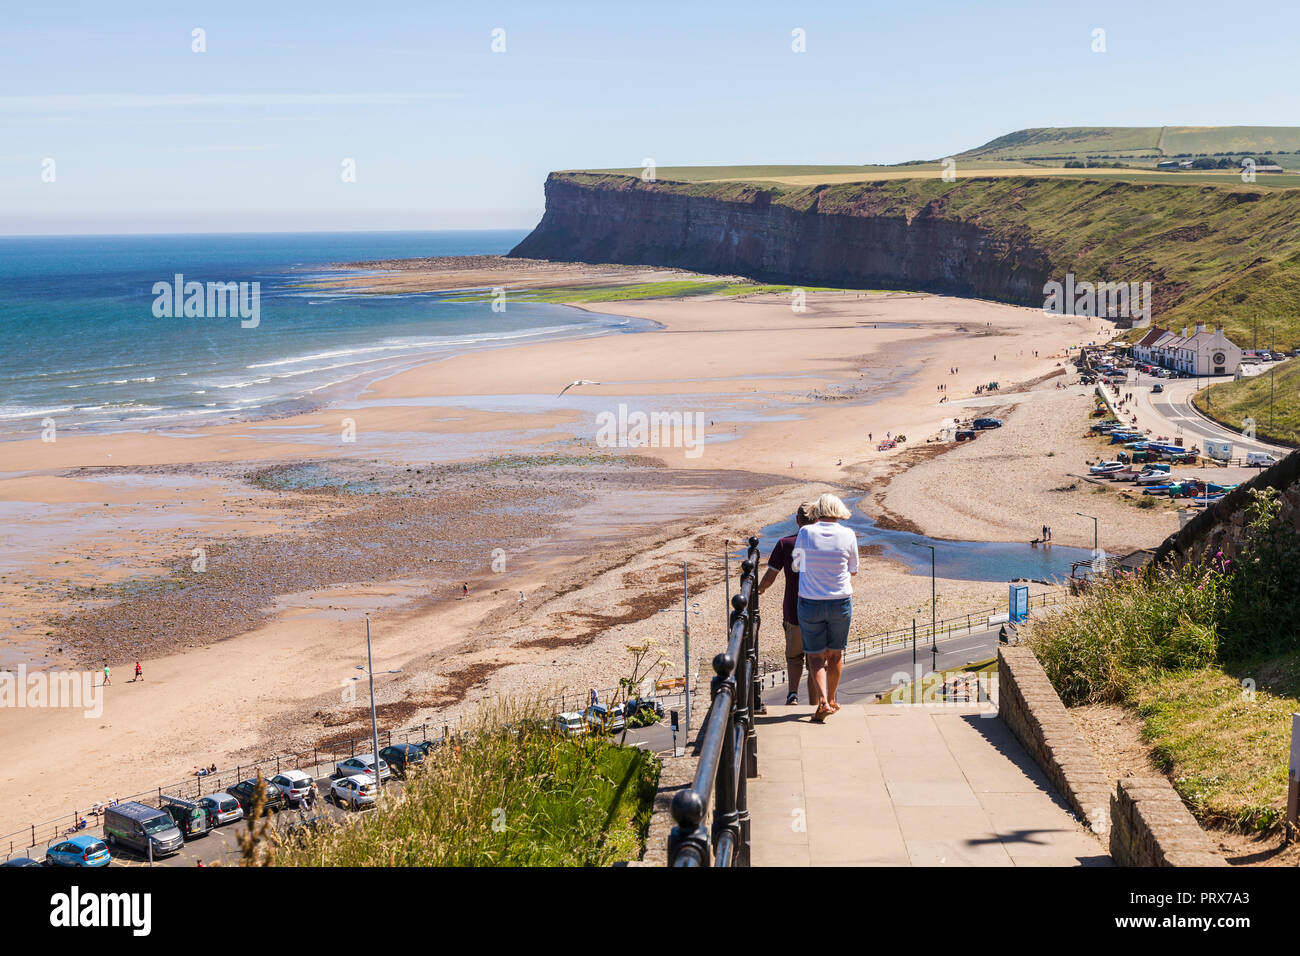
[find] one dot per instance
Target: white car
(363, 765)
(572, 724)
(1259, 459)
(354, 792)
(294, 784)
(1106, 467)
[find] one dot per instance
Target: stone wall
(1150, 826)
(1220, 527)
(1029, 705)
(675, 773)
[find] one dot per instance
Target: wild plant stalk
(645, 662)
(255, 847)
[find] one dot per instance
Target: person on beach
(464, 590)
(826, 557)
(780, 561)
(108, 675)
(139, 671)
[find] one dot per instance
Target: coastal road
(1171, 413)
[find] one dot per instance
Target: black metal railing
(726, 745)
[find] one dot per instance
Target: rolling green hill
(1070, 142)
(1142, 144)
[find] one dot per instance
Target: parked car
(142, 829)
(1259, 459)
(429, 746)
(22, 861)
(1106, 467)
(363, 765)
(294, 786)
(222, 807)
(643, 711)
(244, 790)
(401, 757)
(602, 719)
(572, 724)
(190, 818)
(355, 792)
(982, 423)
(80, 850)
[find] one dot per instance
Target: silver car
(222, 807)
(363, 765)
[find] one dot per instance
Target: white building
(1200, 353)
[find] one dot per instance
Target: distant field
(1044, 151)
(968, 168)
(802, 175)
(1229, 139)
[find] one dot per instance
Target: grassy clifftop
(1215, 254)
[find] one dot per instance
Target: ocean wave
(390, 345)
(12, 412)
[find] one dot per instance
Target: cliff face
(817, 236)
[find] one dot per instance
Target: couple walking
(818, 563)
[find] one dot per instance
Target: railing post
(688, 836)
(755, 619)
(726, 816)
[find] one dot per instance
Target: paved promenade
(879, 785)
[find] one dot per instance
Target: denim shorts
(825, 624)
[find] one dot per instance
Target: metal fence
(727, 745)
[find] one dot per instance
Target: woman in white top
(826, 557)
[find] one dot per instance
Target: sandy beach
(470, 470)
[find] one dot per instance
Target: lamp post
(934, 644)
(374, 724)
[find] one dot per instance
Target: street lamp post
(934, 640)
(374, 723)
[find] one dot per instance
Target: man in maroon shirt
(782, 559)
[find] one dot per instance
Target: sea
(82, 342)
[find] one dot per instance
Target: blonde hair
(829, 506)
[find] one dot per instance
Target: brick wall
(1029, 705)
(1150, 826)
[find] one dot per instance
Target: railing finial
(738, 603)
(687, 808)
(723, 664)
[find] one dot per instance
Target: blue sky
(148, 136)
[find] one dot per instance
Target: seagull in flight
(581, 381)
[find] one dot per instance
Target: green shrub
(1096, 649)
(1126, 630)
(512, 793)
